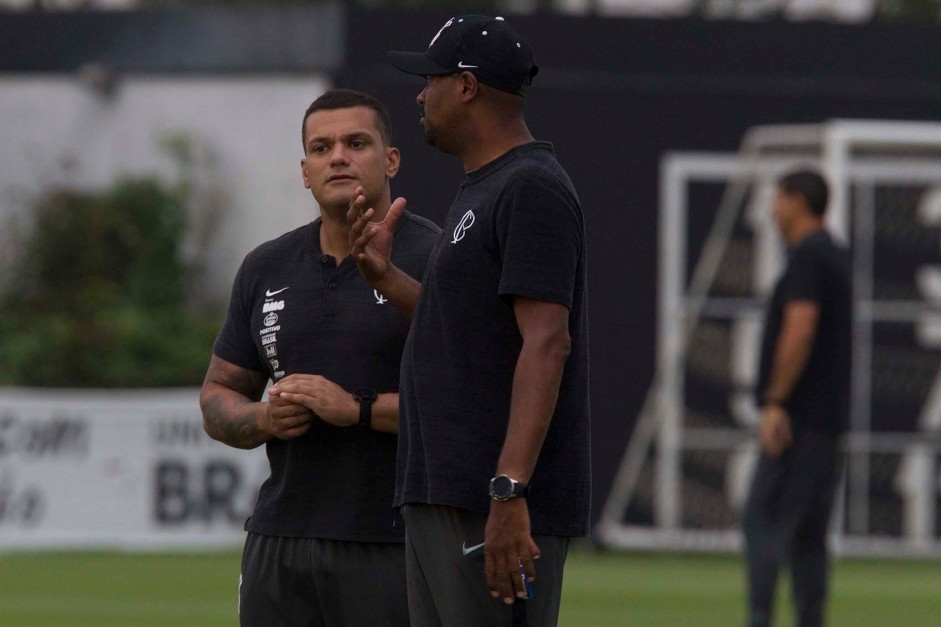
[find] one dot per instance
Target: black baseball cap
(486, 46)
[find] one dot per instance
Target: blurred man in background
(804, 387)
(494, 448)
(323, 546)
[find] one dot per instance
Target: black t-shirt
(515, 229)
(818, 271)
(294, 311)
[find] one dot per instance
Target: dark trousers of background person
(786, 520)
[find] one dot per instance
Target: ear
(469, 86)
(393, 161)
(304, 173)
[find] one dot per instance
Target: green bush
(97, 297)
(927, 10)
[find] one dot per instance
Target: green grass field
(603, 590)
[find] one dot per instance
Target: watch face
(364, 394)
(501, 487)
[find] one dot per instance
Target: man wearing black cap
(494, 452)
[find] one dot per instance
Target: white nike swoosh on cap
(269, 293)
(467, 550)
(460, 64)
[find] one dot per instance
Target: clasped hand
(314, 396)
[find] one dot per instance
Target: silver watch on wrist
(504, 488)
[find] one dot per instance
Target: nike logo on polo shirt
(467, 550)
(461, 65)
(269, 293)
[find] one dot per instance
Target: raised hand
(371, 242)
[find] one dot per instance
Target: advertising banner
(119, 469)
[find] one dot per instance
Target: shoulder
(277, 248)
(818, 255)
(538, 169)
(415, 239)
(416, 235)
(418, 225)
(538, 159)
(820, 247)
(543, 191)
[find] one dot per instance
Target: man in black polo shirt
(804, 388)
(494, 454)
(323, 546)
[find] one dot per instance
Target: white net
(684, 475)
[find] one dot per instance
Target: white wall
(119, 469)
(59, 129)
(848, 10)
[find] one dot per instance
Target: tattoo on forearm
(229, 425)
(228, 406)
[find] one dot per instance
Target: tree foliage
(928, 10)
(97, 297)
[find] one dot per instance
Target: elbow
(208, 427)
(556, 346)
(563, 346)
(206, 407)
(805, 342)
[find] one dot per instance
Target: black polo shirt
(515, 229)
(294, 311)
(818, 271)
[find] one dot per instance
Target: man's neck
(491, 146)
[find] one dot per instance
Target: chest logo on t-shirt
(466, 222)
(380, 299)
(269, 332)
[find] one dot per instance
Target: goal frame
(854, 155)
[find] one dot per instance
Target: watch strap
(365, 413)
(365, 398)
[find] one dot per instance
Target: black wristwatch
(365, 397)
(503, 488)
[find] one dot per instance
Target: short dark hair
(345, 99)
(809, 185)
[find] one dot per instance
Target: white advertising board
(119, 469)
